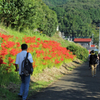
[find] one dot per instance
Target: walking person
(24, 88)
(93, 63)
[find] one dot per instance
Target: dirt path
(79, 85)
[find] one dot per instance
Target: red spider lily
(44, 45)
(10, 44)
(14, 51)
(39, 51)
(29, 39)
(18, 44)
(35, 46)
(5, 37)
(10, 60)
(47, 58)
(38, 39)
(62, 59)
(56, 61)
(47, 50)
(1, 61)
(3, 52)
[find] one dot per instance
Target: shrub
(80, 52)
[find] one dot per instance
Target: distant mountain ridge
(52, 3)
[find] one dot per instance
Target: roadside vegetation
(44, 55)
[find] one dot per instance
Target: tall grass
(9, 31)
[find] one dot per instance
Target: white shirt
(20, 57)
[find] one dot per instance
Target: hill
(52, 3)
(79, 18)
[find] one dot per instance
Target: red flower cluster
(14, 51)
(10, 60)
(43, 52)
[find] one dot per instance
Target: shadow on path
(79, 85)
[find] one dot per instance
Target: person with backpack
(20, 65)
(93, 63)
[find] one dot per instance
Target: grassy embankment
(13, 87)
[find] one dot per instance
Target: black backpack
(93, 59)
(26, 66)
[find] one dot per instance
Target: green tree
(28, 14)
(54, 3)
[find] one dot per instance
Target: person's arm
(16, 65)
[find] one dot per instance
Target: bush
(80, 52)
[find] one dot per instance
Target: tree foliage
(53, 3)
(28, 14)
(78, 18)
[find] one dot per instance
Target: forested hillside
(28, 14)
(79, 18)
(52, 3)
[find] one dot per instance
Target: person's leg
(22, 85)
(95, 66)
(26, 89)
(92, 70)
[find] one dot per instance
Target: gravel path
(79, 85)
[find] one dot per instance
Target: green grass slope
(12, 86)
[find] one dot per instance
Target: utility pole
(92, 38)
(99, 37)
